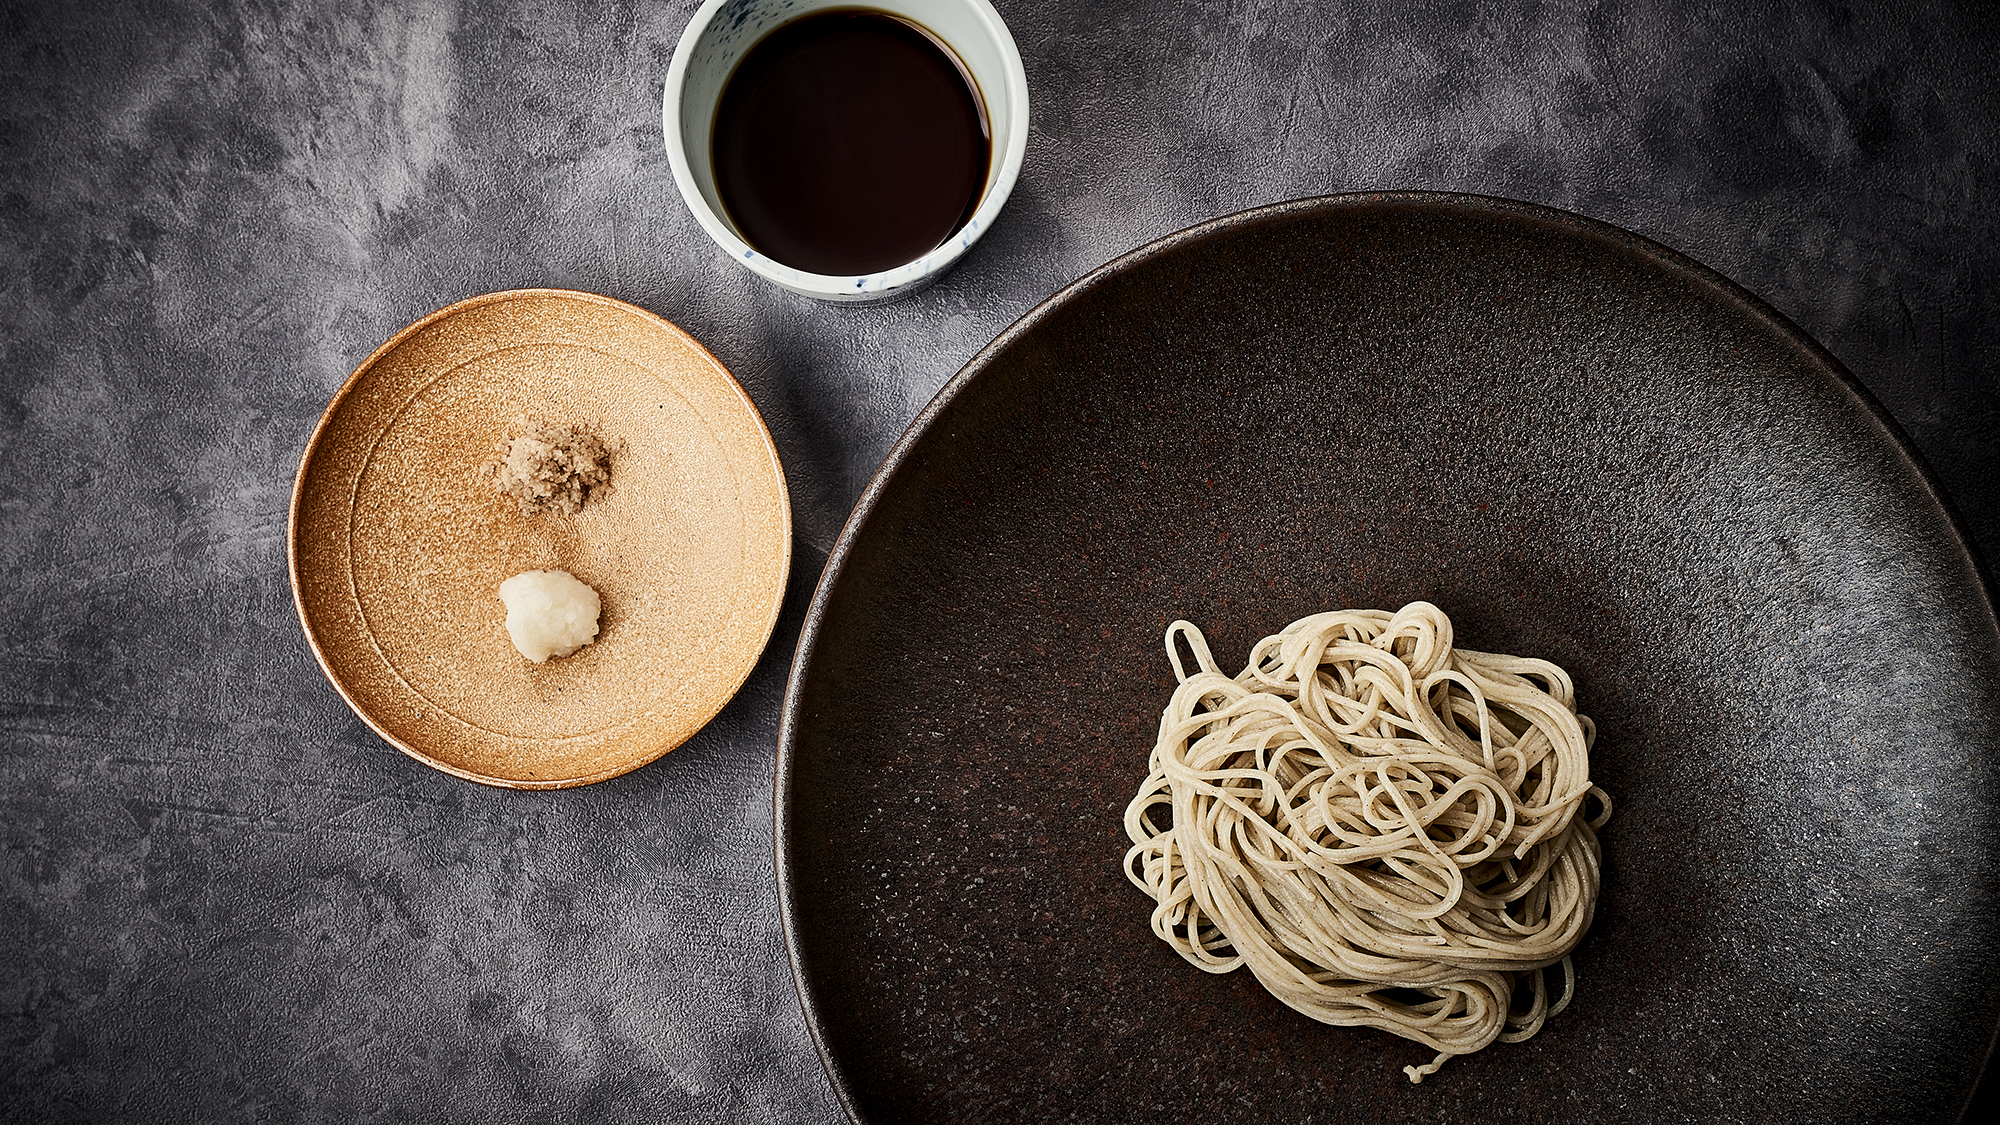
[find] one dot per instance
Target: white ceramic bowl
(719, 34)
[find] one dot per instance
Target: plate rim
(1513, 210)
(324, 425)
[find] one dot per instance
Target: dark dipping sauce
(848, 142)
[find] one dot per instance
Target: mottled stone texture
(222, 898)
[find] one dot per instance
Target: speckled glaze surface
(224, 898)
(398, 545)
(1582, 446)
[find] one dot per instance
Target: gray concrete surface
(223, 898)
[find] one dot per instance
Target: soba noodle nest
(1390, 832)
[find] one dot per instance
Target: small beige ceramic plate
(399, 546)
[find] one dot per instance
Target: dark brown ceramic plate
(1583, 447)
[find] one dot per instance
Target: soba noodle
(1389, 831)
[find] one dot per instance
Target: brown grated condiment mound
(546, 467)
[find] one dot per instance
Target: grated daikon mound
(549, 613)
